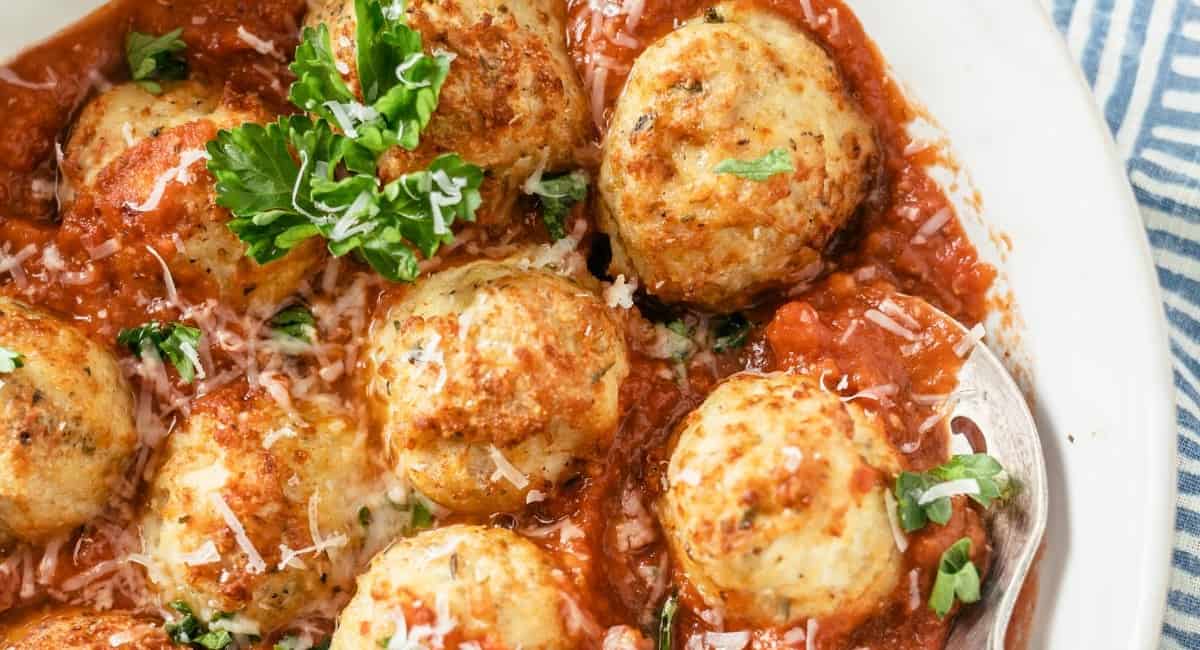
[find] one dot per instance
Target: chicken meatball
(460, 584)
(740, 85)
(66, 426)
(512, 100)
(772, 509)
(135, 162)
(256, 510)
(82, 630)
(491, 379)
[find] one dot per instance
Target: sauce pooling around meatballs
(478, 324)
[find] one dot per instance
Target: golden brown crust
(772, 511)
(491, 354)
(512, 99)
(66, 426)
(497, 589)
(124, 143)
(271, 469)
(83, 630)
(734, 90)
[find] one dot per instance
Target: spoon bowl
(989, 399)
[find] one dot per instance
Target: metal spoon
(988, 396)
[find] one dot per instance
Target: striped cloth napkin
(1142, 58)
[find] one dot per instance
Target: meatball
(460, 584)
(490, 379)
(82, 630)
(772, 509)
(512, 100)
(714, 91)
(135, 162)
(66, 426)
(256, 509)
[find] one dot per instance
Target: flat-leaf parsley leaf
(986, 471)
(177, 342)
(777, 161)
(155, 58)
(557, 194)
(329, 190)
(398, 81)
(957, 577)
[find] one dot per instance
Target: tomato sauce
(821, 330)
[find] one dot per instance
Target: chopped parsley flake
(400, 84)
(364, 516)
(10, 361)
(175, 341)
(777, 161)
(191, 631)
(910, 486)
(957, 577)
(155, 58)
(730, 332)
(295, 323)
(557, 194)
(666, 621)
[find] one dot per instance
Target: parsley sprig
(330, 190)
(294, 324)
(399, 82)
(190, 630)
(155, 58)
(777, 161)
(983, 469)
(557, 194)
(175, 341)
(10, 360)
(299, 178)
(957, 577)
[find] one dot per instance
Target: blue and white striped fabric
(1142, 58)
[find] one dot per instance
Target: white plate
(1020, 119)
(999, 80)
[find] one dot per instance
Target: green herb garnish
(331, 191)
(189, 630)
(175, 341)
(422, 517)
(910, 486)
(155, 58)
(956, 578)
(10, 361)
(730, 332)
(364, 516)
(666, 621)
(557, 194)
(777, 161)
(295, 323)
(400, 84)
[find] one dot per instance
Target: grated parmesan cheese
(893, 515)
(255, 563)
(620, 293)
(178, 174)
(506, 470)
(258, 44)
(884, 321)
(970, 340)
(948, 489)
